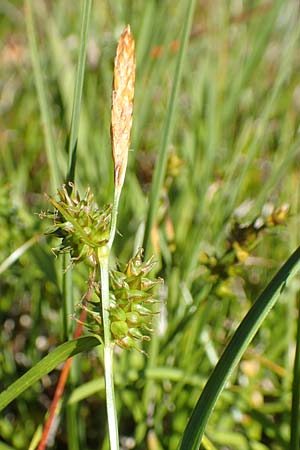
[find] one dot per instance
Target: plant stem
(103, 255)
(67, 308)
(108, 351)
(114, 216)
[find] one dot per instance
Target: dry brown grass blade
(122, 104)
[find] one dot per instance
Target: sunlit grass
(233, 155)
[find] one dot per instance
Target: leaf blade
(233, 352)
(46, 365)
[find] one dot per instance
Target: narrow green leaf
(160, 167)
(86, 390)
(35, 438)
(72, 151)
(16, 254)
(46, 113)
(46, 365)
(295, 412)
(86, 13)
(242, 337)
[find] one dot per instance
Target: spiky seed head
(122, 104)
(82, 227)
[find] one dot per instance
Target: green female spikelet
(131, 297)
(82, 227)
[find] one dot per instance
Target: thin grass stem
(160, 170)
(104, 255)
(67, 283)
(114, 216)
(160, 167)
(73, 138)
(108, 352)
(47, 120)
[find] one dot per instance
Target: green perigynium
(131, 300)
(84, 229)
(131, 303)
(81, 225)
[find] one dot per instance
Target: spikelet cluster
(132, 303)
(222, 270)
(82, 227)
(131, 311)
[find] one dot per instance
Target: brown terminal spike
(122, 104)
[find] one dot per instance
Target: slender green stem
(160, 167)
(72, 427)
(108, 351)
(67, 291)
(103, 255)
(67, 309)
(160, 170)
(114, 216)
(71, 410)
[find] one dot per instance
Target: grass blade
(160, 166)
(46, 114)
(73, 138)
(46, 365)
(295, 413)
(247, 329)
(160, 169)
(16, 254)
(72, 149)
(86, 390)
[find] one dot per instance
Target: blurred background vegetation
(228, 215)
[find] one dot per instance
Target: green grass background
(235, 142)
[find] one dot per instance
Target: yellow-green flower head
(82, 227)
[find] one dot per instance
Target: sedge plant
(87, 234)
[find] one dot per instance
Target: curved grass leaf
(242, 337)
(45, 366)
(295, 411)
